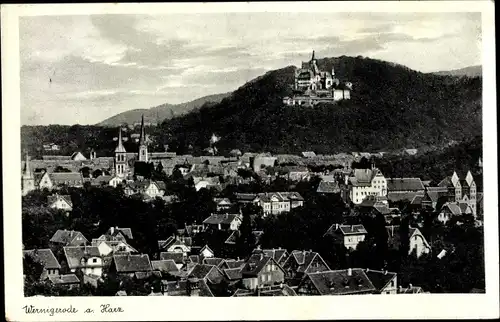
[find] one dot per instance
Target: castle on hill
(312, 86)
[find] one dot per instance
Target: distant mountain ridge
(161, 112)
(471, 71)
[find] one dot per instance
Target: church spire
(312, 59)
(120, 147)
(142, 139)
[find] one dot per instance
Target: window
(263, 278)
(392, 284)
(94, 260)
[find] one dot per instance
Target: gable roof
(74, 254)
(379, 279)
(224, 219)
(194, 259)
(363, 177)
(113, 231)
(177, 257)
(231, 263)
(63, 177)
(256, 263)
(339, 282)
(66, 198)
(132, 263)
(233, 273)
(415, 231)
(164, 266)
(66, 236)
(64, 279)
(201, 271)
(43, 256)
(215, 261)
(404, 184)
(347, 229)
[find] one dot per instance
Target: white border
(175, 308)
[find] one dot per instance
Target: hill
(161, 112)
(471, 71)
(392, 107)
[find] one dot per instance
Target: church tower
(28, 180)
(143, 147)
(121, 162)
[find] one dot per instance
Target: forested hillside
(392, 107)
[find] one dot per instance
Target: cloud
(86, 68)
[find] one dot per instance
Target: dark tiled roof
(213, 261)
(347, 229)
(225, 219)
(233, 274)
(64, 279)
(62, 177)
(201, 271)
(255, 264)
(235, 263)
(379, 279)
(132, 263)
(404, 184)
(175, 256)
(194, 258)
(165, 266)
(127, 232)
(66, 236)
(339, 282)
(328, 187)
(397, 196)
(74, 254)
(44, 257)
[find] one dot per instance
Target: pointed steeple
(120, 147)
(142, 138)
(312, 59)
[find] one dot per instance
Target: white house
(348, 235)
(62, 202)
(366, 182)
(86, 258)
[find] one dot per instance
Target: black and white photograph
(251, 153)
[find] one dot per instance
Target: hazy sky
(102, 65)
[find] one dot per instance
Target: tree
(246, 239)
(61, 169)
(85, 171)
(31, 269)
(97, 173)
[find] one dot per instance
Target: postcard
(250, 161)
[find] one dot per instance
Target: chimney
(367, 270)
(261, 256)
(112, 230)
(336, 226)
(410, 286)
(349, 272)
(385, 272)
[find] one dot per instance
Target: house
(86, 258)
(147, 188)
(384, 282)
(308, 154)
(206, 182)
(244, 198)
(405, 185)
(328, 187)
(186, 288)
(58, 179)
(117, 233)
(223, 222)
(366, 182)
(451, 209)
(175, 244)
(295, 173)
(453, 186)
(215, 261)
(108, 245)
(130, 264)
(102, 180)
(222, 204)
(261, 270)
(279, 202)
(303, 262)
(207, 273)
(68, 238)
(206, 252)
(273, 290)
(69, 281)
(233, 275)
(177, 257)
(351, 281)
(347, 235)
(279, 255)
(78, 156)
(410, 152)
(115, 181)
(417, 241)
(51, 266)
(411, 290)
(62, 202)
(432, 195)
(167, 266)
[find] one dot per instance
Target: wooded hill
(392, 107)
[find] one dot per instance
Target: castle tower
(121, 163)
(143, 147)
(28, 180)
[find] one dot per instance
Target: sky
(84, 69)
